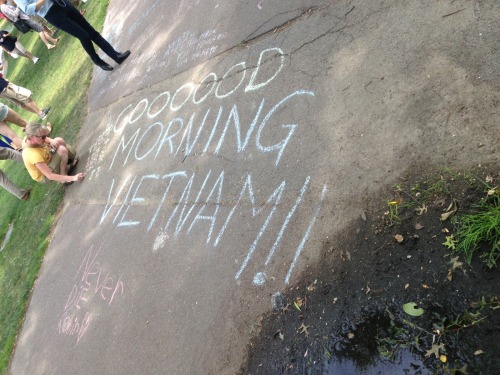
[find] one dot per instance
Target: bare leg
(15, 118)
(45, 40)
(7, 131)
(50, 39)
(26, 54)
(63, 165)
(32, 107)
(61, 142)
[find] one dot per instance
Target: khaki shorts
(19, 49)
(55, 162)
(18, 95)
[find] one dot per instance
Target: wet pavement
(235, 139)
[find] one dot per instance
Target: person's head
(35, 132)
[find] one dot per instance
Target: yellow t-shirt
(33, 155)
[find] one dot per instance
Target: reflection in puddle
(405, 362)
(373, 346)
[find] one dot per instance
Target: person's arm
(54, 145)
(44, 168)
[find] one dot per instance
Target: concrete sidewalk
(220, 156)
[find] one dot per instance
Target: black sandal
(73, 165)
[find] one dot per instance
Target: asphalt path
(236, 139)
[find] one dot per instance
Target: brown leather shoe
(26, 195)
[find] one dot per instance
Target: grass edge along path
(60, 79)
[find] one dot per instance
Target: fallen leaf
(407, 286)
(450, 242)
(298, 303)
(455, 263)
(489, 179)
(450, 211)
(367, 289)
(421, 210)
(285, 308)
(350, 335)
(305, 354)
(363, 216)
(399, 238)
(434, 350)
(450, 275)
(425, 286)
(445, 230)
(411, 309)
(304, 329)
(345, 255)
(443, 358)
(418, 226)
(439, 202)
(477, 352)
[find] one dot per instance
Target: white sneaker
(34, 59)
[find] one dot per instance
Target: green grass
(481, 226)
(60, 79)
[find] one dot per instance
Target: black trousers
(69, 19)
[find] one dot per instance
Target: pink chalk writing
(94, 284)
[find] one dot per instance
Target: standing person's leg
(11, 116)
(8, 132)
(12, 188)
(45, 40)
(21, 51)
(21, 97)
(58, 16)
(32, 107)
(70, 20)
(49, 37)
(95, 36)
(5, 182)
(44, 36)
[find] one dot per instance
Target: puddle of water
(357, 352)
(404, 363)
(7, 236)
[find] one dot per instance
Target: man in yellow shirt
(48, 159)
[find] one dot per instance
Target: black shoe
(105, 66)
(121, 57)
(45, 112)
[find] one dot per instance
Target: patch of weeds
(433, 189)
(472, 316)
(392, 215)
(436, 338)
(481, 226)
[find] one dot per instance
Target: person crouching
(48, 159)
